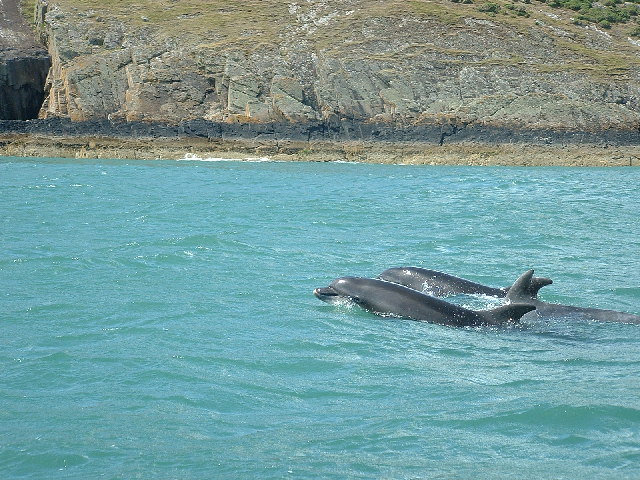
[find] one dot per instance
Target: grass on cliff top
(268, 18)
(336, 25)
(178, 18)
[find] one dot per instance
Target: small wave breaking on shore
(195, 157)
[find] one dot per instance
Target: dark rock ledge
(345, 131)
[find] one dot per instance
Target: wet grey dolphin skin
(520, 292)
(442, 284)
(386, 298)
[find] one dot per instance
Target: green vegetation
(604, 13)
(489, 7)
(27, 7)
(511, 8)
(517, 10)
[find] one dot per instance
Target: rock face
(23, 66)
(402, 63)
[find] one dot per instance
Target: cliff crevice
(24, 65)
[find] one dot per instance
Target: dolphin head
(334, 294)
(329, 295)
(343, 290)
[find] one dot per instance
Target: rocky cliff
(23, 66)
(407, 64)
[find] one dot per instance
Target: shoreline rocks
(342, 131)
(152, 142)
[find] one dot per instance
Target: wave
(583, 418)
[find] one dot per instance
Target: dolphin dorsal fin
(521, 289)
(511, 312)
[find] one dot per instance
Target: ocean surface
(157, 322)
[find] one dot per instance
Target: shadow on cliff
(24, 66)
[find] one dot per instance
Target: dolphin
(442, 284)
(387, 298)
(523, 292)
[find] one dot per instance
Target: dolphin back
(442, 284)
(437, 283)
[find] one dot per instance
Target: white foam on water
(194, 157)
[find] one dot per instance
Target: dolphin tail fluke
(509, 313)
(537, 283)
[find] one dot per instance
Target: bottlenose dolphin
(442, 284)
(521, 292)
(386, 298)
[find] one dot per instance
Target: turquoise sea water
(157, 322)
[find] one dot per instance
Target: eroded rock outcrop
(400, 63)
